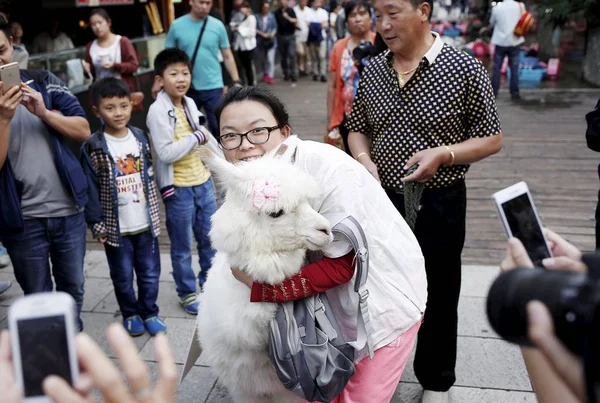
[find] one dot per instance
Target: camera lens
(511, 291)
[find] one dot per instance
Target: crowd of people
(396, 111)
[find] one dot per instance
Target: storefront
(143, 21)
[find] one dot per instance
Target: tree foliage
(558, 12)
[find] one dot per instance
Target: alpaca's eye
(277, 214)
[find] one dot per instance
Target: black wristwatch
(238, 82)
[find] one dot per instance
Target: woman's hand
(86, 67)
(242, 277)
(106, 378)
(108, 65)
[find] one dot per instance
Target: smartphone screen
(524, 225)
(44, 351)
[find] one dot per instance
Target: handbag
(314, 342)
(525, 22)
(592, 134)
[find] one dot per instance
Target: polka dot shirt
(448, 100)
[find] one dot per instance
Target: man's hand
(102, 239)
(9, 102)
(33, 101)
(565, 364)
(242, 277)
(566, 255)
(429, 162)
(11, 393)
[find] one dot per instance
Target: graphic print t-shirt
(133, 213)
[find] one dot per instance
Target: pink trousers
(376, 380)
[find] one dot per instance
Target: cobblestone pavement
(544, 146)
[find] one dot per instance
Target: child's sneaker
(134, 326)
(189, 304)
(4, 259)
(155, 325)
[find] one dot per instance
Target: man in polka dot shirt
(423, 102)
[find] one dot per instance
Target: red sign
(95, 3)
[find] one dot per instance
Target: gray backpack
(314, 342)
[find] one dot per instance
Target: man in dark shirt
(286, 41)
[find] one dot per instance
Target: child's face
(115, 112)
(176, 79)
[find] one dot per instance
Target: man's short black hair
(417, 3)
(5, 27)
(109, 87)
(168, 57)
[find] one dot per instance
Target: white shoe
(429, 396)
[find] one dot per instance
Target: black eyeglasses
(256, 136)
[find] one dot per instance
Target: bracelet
(451, 154)
(361, 154)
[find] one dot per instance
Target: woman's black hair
(256, 94)
(352, 4)
(101, 12)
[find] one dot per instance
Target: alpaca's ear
(225, 172)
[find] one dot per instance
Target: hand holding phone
(520, 219)
(10, 75)
(42, 328)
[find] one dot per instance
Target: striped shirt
(188, 171)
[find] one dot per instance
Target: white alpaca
(263, 228)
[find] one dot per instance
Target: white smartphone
(10, 75)
(42, 330)
(521, 220)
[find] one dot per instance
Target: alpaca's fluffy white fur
(233, 331)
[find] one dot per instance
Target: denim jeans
(287, 52)
(62, 240)
(188, 214)
(137, 252)
(500, 53)
(209, 100)
(267, 60)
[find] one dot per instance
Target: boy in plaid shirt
(122, 211)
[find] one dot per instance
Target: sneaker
(315, 78)
(270, 80)
(4, 259)
(265, 78)
(155, 325)
(134, 326)
(303, 74)
(189, 304)
(323, 79)
(4, 286)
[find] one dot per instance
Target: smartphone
(42, 330)
(10, 75)
(521, 220)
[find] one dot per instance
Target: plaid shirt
(102, 212)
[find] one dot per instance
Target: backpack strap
(352, 230)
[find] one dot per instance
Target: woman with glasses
(254, 122)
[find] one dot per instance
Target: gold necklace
(401, 75)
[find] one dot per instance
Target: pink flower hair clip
(264, 190)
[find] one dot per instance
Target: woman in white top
(253, 122)
(244, 42)
(109, 55)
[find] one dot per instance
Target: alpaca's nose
(324, 230)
